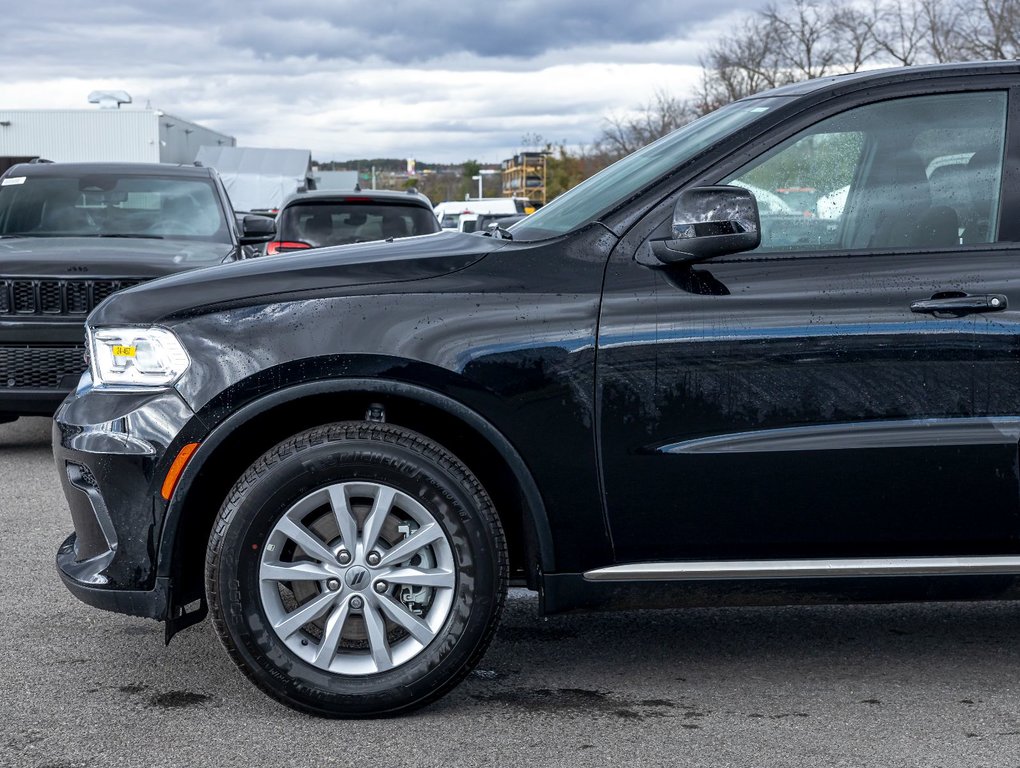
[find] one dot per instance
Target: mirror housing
(257, 229)
(708, 222)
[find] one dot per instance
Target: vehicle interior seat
(317, 229)
(394, 225)
(949, 186)
(899, 202)
(62, 214)
(371, 229)
(937, 227)
(982, 182)
(179, 214)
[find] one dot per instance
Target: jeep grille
(55, 297)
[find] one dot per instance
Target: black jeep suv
(647, 393)
(72, 234)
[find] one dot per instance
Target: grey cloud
(399, 31)
(262, 69)
(406, 31)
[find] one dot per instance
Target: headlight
(136, 357)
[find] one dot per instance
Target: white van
(449, 212)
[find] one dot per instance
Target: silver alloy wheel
(338, 617)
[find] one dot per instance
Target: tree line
(799, 40)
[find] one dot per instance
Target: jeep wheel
(356, 570)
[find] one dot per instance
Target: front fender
(262, 403)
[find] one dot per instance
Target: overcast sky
(440, 81)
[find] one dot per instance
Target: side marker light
(170, 482)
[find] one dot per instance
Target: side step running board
(694, 570)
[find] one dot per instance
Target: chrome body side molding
(901, 433)
(808, 569)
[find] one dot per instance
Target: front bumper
(150, 603)
(41, 361)
(30, 401)
(112, 451)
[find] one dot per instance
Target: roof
(257, 178)
(897, 74)
(260, 161)
(336, 179)
(383, 195)
(123, 169)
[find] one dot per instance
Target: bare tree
(791, 40)
(900, 31)
(942, 21)
(803, 33)
(662, 115)
(990, 30)
(854, 33)
(741, 64)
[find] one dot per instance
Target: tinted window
(327, 223)
(107, 205)
(622, 180)
(907, 173)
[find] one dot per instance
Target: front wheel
(356, 570)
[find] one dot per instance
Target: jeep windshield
(623, 179)
(108, 205)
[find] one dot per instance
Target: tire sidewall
(425, 478)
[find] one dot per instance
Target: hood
(320, 270)
(105, 257)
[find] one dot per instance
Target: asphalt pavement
(916, 685)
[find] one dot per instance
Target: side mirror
(257, 229)
(710, 221)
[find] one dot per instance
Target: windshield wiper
(142, 237)
(498, 232)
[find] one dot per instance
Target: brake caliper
(415, 599)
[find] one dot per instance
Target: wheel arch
(239, 439)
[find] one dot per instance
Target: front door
(849, 389)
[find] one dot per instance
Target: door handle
(960, 304)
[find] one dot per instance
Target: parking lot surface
(918, 685)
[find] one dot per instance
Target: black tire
(368, 452)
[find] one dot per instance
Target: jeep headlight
(135, 357)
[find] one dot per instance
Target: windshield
(624, 178)
(320, 223)
(108, 205)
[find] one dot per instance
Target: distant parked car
(318, 219)
(450, 212)
(73, 233)
(486, 223)
(801, 199)
(831, 206)
(769, 203)
(480, 222)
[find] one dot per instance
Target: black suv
(648, 393)
(71, 234)
(317, 219)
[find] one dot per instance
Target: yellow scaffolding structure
(524, 176)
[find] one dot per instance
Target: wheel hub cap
(357, 578)
(358, 630)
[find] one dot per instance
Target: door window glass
(919, 172)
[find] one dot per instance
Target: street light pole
(482, 174)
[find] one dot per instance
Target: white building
(339, 180)
(260, 178)
(108, 135)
